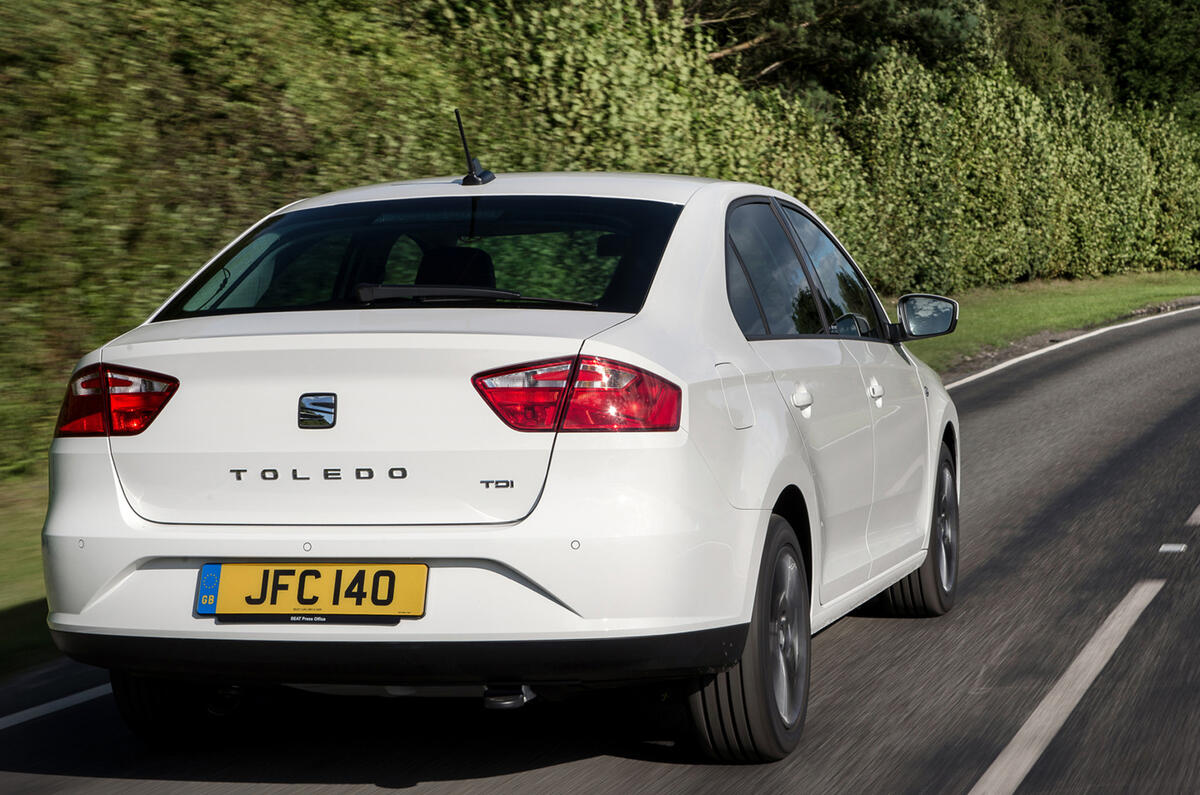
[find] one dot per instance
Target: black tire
(162, 712)
(931, 589)
(754, 712)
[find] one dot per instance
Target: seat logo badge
(317, 410)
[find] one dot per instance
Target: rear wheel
(754, 712)
(931, 589)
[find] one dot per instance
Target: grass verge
(23, 507)
(993, 318)
(24, 640)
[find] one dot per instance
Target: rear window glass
(774, 269)
(551, 251)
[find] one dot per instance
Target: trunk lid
(411, 441)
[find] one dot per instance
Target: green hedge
(137, 136)
(935, 181)
(981, 182)
(610, 85)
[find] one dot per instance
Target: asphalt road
(1078, 466)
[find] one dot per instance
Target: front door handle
(802, 398)
(875, 390)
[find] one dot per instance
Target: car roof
(653, 187)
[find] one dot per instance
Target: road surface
(1079, 465)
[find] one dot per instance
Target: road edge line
(50, 707)
(1031, 740)
(1088, 335)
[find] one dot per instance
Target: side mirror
(853, 325)
(924, 316)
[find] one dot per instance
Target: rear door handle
(802, 398)
(875, 390)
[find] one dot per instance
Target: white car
(544, 430)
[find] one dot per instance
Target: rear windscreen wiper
(379, 292)
(370, 293)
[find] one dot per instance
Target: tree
(1052, 43)
(823, 45)
(1155, 47)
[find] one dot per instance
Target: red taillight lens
(102, 400)
(604, 396)
(611, 396)
(527, 397)
(83, 409)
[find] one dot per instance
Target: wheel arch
(950, 438)
(792, 506)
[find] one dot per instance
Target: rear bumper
(643, 546)
(414, 663)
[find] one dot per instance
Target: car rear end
(381, 438)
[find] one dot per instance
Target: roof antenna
(476, 175)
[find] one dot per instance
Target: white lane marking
(50, 707)
(1065, 343)
(1170, 548)
(1194, 519)
(1018, 758)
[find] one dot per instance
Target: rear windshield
(517, 251)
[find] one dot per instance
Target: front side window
(849, 298)
(763, 248)
(527, 251)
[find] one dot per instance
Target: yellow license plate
(312, 593)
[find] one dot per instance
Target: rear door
(818, 380)
(894, 391)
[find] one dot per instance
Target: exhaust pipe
(507, 697)
(224, 701)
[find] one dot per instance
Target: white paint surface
(1173, 548)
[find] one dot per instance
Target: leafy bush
(139, 135)
(612, 85)
(986, 183)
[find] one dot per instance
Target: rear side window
(760, 245)
(741, 296)
(600, 253)
(849, 298)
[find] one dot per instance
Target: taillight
(611, 396)
(604, 395)
(527, 397)
(105, 400)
